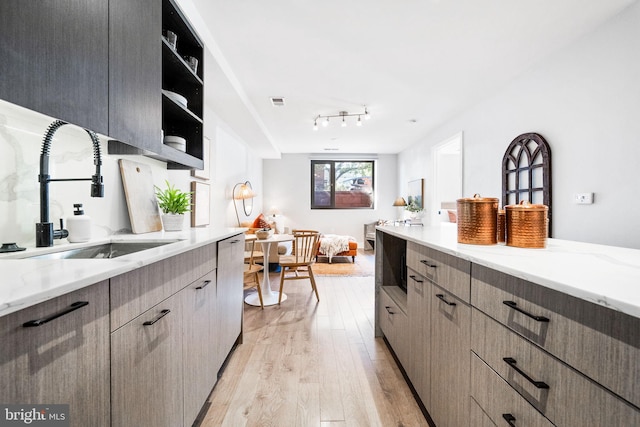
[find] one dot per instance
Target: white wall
(287, 186)
(585, 101)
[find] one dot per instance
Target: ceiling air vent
(277, 101)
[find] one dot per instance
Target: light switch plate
(583, 198)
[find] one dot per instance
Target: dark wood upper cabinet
(105, 65)
(54, 59)
(143, 69)
(135, 73)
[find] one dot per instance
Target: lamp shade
(400, 202)
(243, 192)
(273, 211)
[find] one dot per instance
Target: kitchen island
(139, 339)
(495, 334)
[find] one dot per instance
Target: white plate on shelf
(176, 97)
(177, 142)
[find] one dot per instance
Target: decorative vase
(172, 222)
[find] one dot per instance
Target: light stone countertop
(604, 275)
(26, 282)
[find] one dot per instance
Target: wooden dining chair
(299, 264)
(251, 251)
(251, 269)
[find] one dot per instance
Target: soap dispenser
(79, 225)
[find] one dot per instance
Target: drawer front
(146, 368)
(450, 359)
(498, 401)
(564, 396)
(601, 343)
(64, 360)
(449, 272)
(135, 292)
(394, 324)
(419, 333)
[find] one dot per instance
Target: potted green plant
(173, 203)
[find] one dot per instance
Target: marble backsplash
(21, 134)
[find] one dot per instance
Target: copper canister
(477, 220)
(502, 226)
(526, 225)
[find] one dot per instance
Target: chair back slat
(252, 253)
(305, 245)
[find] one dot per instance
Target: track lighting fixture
(342, 114)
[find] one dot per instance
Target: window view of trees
(341, 184)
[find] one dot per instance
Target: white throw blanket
(332, 244)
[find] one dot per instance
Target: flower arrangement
(413, 207)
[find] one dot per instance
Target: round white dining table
(269, 297)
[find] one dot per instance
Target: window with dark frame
(342, 184)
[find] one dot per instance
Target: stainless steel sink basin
(105, 250)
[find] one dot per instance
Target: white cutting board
(141, 198)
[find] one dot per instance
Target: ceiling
(414, 63)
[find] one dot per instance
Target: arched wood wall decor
(526, 172)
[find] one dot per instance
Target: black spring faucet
(44, 229)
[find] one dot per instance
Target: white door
(447, 178)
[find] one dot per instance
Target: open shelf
(178, 77)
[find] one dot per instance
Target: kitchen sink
(104, 250)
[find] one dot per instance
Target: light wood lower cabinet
(540, 357)
(450, 359)
(135, 292)
(563, 395)
(165, 361)
(146, 368)
(497, 400)
(393, 321)
(142, 349)
(428, 328)
(450, 272)
(200, 344)
(64, 360)
(601, 343)
(229, 295)
(419, 311)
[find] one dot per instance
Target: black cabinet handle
(442, 298)
(160, 316)
(510, 419)
(512, 362)
(513, 305)
(39, 322)
(415, 280)
(204, 284)
(427, 263)
(234, 241)
(389, 309)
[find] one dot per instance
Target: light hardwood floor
(313, 364)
